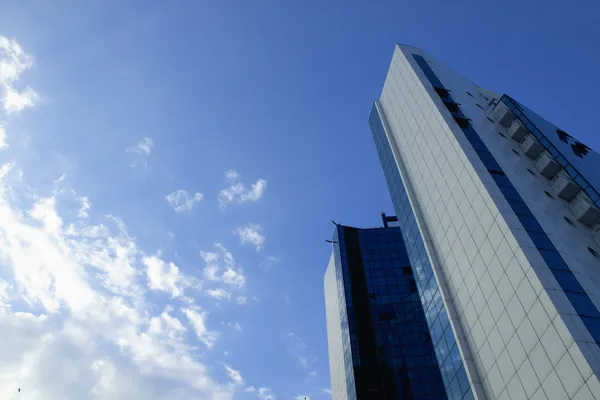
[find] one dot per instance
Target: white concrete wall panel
(516, 328)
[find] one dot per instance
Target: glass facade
(454, 377)
(338, 333)
(385, 344)
(579, 161)
(575, 293)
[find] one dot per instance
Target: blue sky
(170, 171)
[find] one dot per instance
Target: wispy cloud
(182, 201)
(237, 192)
(220, 267)
(13, 62)
(218, 294)
(262, 393)
(302, 397)
(15, 101)
(270, 262)
(164, 276)
(74, 292)
(84, 284)
(139, 153)
(235, 325)
(251, 234)
(3, 143)
(298, 349)
(235, 376)
(303, 361)
(241, 300)
(86, 205)
(60, 179)
(327, 391)
(198, 321)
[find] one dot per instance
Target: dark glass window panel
(593, 326)
(567, 281)
(520, 208)
(501, 180)
(554, 260)
(583, 305)
(511, 193)
(489, 161)
(462, 122)
(463, 381)
(541, 241)
(530, 223)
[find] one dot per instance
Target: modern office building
(499, 213)
(379, 343)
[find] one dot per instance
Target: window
(452, 107)
(531, 172)
(469, 94)
(593, 252)
(549, 194)
(479, 106)
(567, 281)
(462, 122)
(582, 304)
(443, 93)
(569, 221)
(516, 152)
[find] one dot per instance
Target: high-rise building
(379, 343)
(499, 212)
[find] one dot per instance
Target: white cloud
(140, 152)
(197, 319)
(15, 101)
(219, 294)
(303, 361)
(86, 205)
(262, 393)
(255, 193)
(241, 300)
(163, 276)
(73, 294)
(235, 326)
(3, 143)
(220, 267)
(298, 349)
(60, 179)
(312, 373)
(166, 324)
(327, 391)
(237, 191)
(234, 277)
(13, 62)
(250, 233)
(79, 290)
(182, 201)
(232, 175)
(302, 397)
(143, 147)
(235, 376)
(270, 262)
